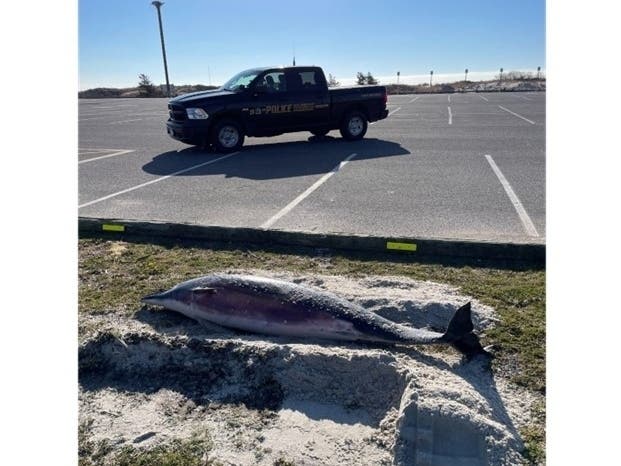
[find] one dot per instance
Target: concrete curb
(531, 254)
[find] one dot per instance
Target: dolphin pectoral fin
(459, 333)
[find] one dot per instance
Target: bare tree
(332, 82)
(360, 79)
(370, 79)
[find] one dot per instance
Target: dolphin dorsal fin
(204, 289)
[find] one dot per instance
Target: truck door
(308, 95)
(267, 108)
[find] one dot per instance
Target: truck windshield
(241, 80)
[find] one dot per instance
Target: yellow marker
(401, 246)
(108, 227)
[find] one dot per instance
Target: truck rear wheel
(227, 136)
(354, 126)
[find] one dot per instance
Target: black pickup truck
(271, 101)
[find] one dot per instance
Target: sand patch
(161, 376)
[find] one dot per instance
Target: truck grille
(177, 112)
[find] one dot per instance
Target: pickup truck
(272, 101)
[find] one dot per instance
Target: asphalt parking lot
(445, 166)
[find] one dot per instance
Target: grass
(114, 276)
(189, 452)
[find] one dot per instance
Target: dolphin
(276, 307)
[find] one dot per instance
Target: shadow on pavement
(274, 160)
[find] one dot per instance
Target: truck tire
(354, 126)
(227, 136)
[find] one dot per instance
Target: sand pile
(160, 377)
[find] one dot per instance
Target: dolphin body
(276, 307)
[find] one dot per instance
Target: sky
(207, 42)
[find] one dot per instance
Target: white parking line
(162, 178)
(526, 221)
(449, 98)
(484, 98)
(450, 116)
(415, 98)
(519, 116)
(114, 154)
(306, 193)
(124, 121)
(523, 97)
(113, 106)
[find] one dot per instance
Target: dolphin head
(176, 299)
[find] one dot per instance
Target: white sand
(161, 376)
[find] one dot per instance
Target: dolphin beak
(157, 298)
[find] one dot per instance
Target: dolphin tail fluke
(460, 333)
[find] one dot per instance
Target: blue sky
(118, 39)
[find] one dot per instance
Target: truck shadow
(272, 160)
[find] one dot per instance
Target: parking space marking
(86, 151)
(484, 98)
(523, 97)
(450, 116)
(124, 121)
(526, 221)
(111, 106)
(114, 154)
(519, 116)
(415, 98)
(449, 98)
(161, 178)
(306, 193)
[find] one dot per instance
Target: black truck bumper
(379, 116)
(192, 132)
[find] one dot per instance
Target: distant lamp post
(158, 5)
(398, 74)
(466, 78)
(430, 77)
(538, 72)
(500, 75)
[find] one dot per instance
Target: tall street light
(157, 5)
(430, 77)
(466, 79)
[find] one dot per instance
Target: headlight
(196, 114)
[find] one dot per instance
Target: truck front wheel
(227, 136)
(354, 126)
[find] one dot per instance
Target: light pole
(538, 73)
(398, 74)
(430, 77)
(466, 78)
(157, 5)
(501, 76)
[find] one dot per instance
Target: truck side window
(273, 82)
(306, 81)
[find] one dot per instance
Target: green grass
(115, 275)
